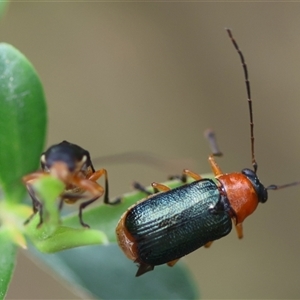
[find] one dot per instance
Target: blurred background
(152, 77)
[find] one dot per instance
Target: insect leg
(192, 174)
(182, 178)
(239, 230)
(141, 188)
(95, 176)
(215, 168)
(37, 206)
(90, 186)
(158, 187)
(172, 262)
(207, 245)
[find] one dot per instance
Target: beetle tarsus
(81, 207)
(141, 188)
(115, 201)
(29, 219)
(41, 217)
(182, 178)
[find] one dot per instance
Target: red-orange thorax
(240, 193)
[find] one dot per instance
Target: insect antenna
(278, 187)
(254, 163)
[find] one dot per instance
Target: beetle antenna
(254, 164)
(278, 187)
(211, 137)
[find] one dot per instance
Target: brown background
(151, 77)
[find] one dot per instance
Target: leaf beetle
(172, 223)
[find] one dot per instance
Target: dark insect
(170, 224)
(73, 166)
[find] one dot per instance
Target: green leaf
(66, 238)
(106, 273)
(8, 255)
(3, 6)
(22, 120)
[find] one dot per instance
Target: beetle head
(259, 188)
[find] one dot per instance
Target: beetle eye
(265, 196)
(82, 163)
(260, 190)
(43, 160)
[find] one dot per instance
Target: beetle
(73, 166)
(170, 224)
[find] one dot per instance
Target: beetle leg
(158, 187)
(61, 203)
(70, 198)
(144, 268)
(239, 230)
(182, 178)
(81, 207)
(216, 170)
(32, 177)
(192, 174)
(35, 202)
(141, 188)
(90, 186)
(41, 216)
(172, 262)
(207, 245)
(37, 206)
(95, 176)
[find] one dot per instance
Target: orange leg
(93, 188)
(172, 262)
(158, 187)
(207, 245)
(186, 173)
(33, 176)
(95, 176)
(239, 230)
(215, 168)
(88, 185)
(192, 174)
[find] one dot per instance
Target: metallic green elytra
(172, 224)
